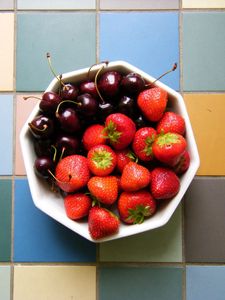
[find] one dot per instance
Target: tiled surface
(184, 259)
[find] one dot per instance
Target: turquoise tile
(5, 219)
(39, 238)
(159, 245)
(5, 282)
(205, 282)
(6, 134)
(56, 4)
(147, 40)
(145, 283)
(203, 51)
(69, 37)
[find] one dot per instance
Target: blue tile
(205, 282)
(145, 283)
(147, 40)
(38, 238)
(6, 134)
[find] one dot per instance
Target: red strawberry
(102, 223)
(164, 184)
(123, 158)
(134, 177)
(183, 164)
(171, 122)
(133, 207)
(152, 103)
(72, 173)
(104, 189)
(142, 143)
(101, 160)
(120, 130)
(93, 135)
(77, 205)
(169, 147)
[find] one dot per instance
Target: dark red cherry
(109, 83)
(49, 102)
(88, 105)
(127, 106)
(68, 144)
(105, 109)
(69, 92)
(132, 84)
(69, 120)
(88, 87)
(43, 165)
(43, 147)
(141, 122)
(41, 126)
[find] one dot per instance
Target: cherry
(41, 127)
(67, 144)
(105, 109)
(43, 165)
(69, 91)
(88, 105)
(132, 84)
(43, 147)
(109, 83)
(127, 106)
(88, 87)
(69, 120)
(141, 122)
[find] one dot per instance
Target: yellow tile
(6, 51)
(54, 282)
(203, 3)
(206, 112)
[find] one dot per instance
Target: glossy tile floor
(185, 259)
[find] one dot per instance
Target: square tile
(6, 51)
(6, 4)
(6, 121)
(23, 110)
(56, 4)
(160, 245)
(5, 282)
(39, 238)
(203, 51)
(205, 282)
(203, 3)
(54, 282)
(5, 219)
(153, 45)
(137, 4)
(161, 283)
(206, 112)
(70, 37)
(204, 224)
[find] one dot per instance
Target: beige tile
(6, 51)
(23, 110)
(203, 3)
(206, 112)
(54, 282)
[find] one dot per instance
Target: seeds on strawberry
(183, 164)
(171, 122)
(77, 205)
(93, 136)
(123, 158)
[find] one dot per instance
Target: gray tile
(6, 4)
(139, 4)
(204, 220)
(5, 282)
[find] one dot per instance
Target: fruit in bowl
(109, 151)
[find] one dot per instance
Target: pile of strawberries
(127, 172)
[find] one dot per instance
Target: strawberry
(104, 189)
(101, 160)
(142, 143)
(102, 223)
(123, 158)
(152, 103)
(169, 147)
(72, 173)
(120, 130)
(93, 135)
(134, 177)
(164, 184)
(171, 122)
(77, 205)
(133, 207)
(183, 164)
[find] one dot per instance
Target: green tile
(5, 219)
(160, 245)
(5, 282)
(70, 37)
(203, 51)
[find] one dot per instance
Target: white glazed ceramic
(52, 203)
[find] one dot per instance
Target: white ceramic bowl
(52, 203)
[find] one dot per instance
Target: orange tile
(206, 112)
(23, 109)
(6, 51)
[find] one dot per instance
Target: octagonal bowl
(52, 203)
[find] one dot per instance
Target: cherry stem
(89, 70)
(58, 107)
(34, 97)
(45, 126)
(58, 77)
(62, 153)
(55, 153)
(171, 70)
(96, 79)
(56, 179)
